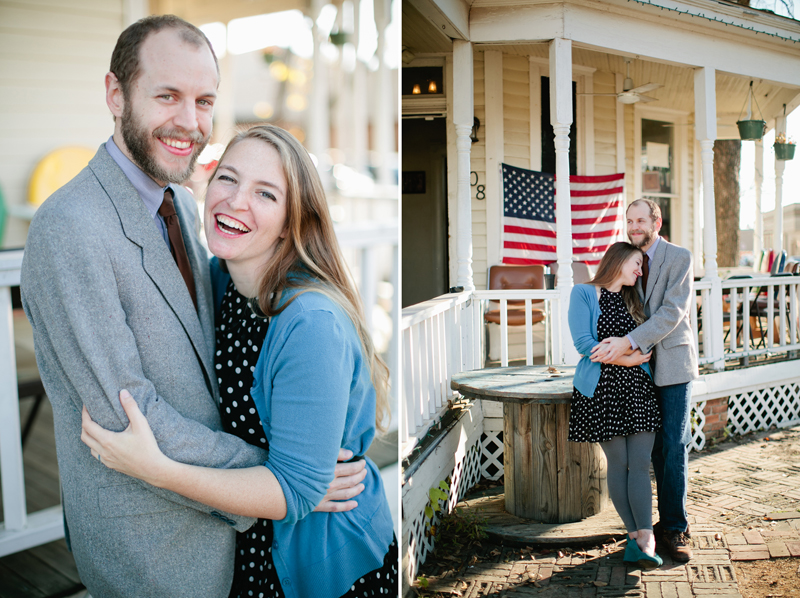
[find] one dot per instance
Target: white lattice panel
(765, 407)
(698, 418)
(465, 474)
(420, 544)
(491, 455)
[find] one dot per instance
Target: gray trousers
(629, 478)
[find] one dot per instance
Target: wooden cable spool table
(547, 478)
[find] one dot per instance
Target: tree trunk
(727, 157)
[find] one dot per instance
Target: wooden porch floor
(48, 570)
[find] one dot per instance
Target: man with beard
(665, 288)
(117, 288)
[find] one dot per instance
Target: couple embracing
(199, 407)
(633, 384)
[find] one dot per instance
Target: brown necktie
(167, 212)
(645, 272)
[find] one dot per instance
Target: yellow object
(55, 170)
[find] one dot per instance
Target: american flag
(529, 216)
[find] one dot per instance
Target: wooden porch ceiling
(678, 91)
(421, 36)
(200, 12)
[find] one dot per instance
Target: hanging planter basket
(339, 39)
(751, 130)
(784, 151)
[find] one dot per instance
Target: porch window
(658, 174)
(426, 80)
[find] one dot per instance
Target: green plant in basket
(784, 147)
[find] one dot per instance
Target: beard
(649, 237)
(140, 144)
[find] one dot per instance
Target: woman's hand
(345, 486)
(134, 451)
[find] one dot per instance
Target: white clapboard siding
(53, 58)
(516, 110)
(605, 124)
(630, 192)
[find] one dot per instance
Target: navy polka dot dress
(624, 401)
(240, 334)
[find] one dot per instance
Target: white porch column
(224, 109)
(561, 119)
(777, 242)
(462, 119)
(319, 114)
(495, 154)
(384, 125)
(359, 109)
(758, 232)
(705, 109)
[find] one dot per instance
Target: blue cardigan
(313, 392)
(584, 311)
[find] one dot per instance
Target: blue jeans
(671, 455)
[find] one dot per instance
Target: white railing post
(20, 530)
(14, 512)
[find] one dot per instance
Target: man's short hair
(126, 59)
(655, 211)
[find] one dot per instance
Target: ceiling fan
(629, 93)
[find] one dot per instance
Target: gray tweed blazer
(110, 310)
(667, 301)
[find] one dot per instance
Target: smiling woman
(245, 211)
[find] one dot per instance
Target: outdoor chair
(760, 308)
(727, 309)
(778, 263)
(581, 272)
(503, 277)
(763, 263)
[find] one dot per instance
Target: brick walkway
(743, 505)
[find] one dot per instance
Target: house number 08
(480, 190)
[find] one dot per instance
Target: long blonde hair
(310, 249)
(610, 268)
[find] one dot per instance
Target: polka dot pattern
(239, 334)
(380, 582)
(624, 401)
(238, 330)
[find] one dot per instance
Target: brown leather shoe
(677, 544)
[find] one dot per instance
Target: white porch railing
(444, 336)
(752, 326)
(20, 530)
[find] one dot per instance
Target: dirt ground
(774, 578)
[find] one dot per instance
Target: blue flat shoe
(634, 554)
